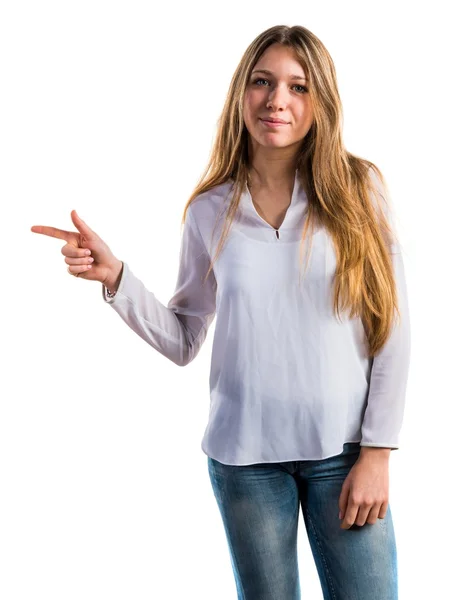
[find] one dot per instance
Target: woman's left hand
(365, 493)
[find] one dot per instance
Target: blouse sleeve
(389, 374)
(179, 329)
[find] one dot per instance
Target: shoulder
(208, 205)
(379, 191)
(377, 180)
(382, 201)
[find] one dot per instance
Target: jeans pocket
(351, 448)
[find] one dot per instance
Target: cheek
(306, 115)
(252, 102)
(247, 111)
(309, 110)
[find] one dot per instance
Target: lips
(268, 124)
(273, 120)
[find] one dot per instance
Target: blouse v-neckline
(293, 201)
(292, 222)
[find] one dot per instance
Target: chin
(276, 142)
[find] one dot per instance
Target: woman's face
(280, 93)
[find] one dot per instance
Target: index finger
(61, 234)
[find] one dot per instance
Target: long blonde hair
(337, 183)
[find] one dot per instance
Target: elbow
(180, 362)
(189, 349)
(185, 357)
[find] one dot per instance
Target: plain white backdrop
(110, 108)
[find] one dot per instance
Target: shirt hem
(245, 464)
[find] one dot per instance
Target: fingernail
(87, 252)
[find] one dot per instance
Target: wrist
(375, 452)
(112, 281)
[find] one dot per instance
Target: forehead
(281, 60)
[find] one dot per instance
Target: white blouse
(288, 381)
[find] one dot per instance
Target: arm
(386, 397)
(179, 329)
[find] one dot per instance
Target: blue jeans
(259, 506)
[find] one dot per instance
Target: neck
(271, 168)
(271, 177)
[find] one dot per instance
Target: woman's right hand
(99, 265)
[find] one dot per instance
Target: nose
(277, 98)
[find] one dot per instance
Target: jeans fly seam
(326, 569)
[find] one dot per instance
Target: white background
(110, 108)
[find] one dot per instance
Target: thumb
(82, 226)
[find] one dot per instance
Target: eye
(302, 90)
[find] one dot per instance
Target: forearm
(176, 330)
(386, 400)
(176, 335)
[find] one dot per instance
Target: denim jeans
(259, 505)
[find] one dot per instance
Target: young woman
(310, 359)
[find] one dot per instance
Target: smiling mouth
(273, 123)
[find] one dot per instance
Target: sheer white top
(288, 381)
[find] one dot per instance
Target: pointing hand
(98, 265)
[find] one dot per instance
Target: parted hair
(346, 194)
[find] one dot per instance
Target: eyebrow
(267, 72)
